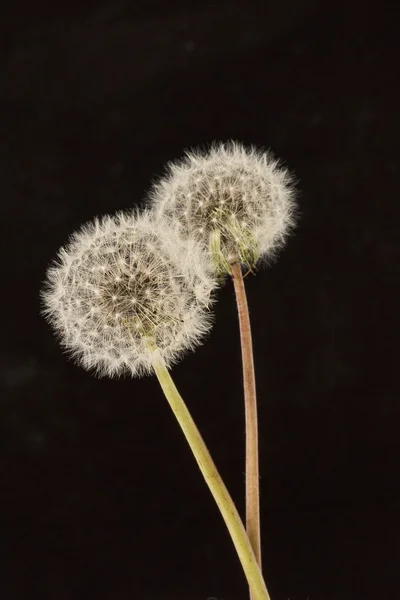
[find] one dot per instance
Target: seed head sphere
(237, 201)
(121, 282)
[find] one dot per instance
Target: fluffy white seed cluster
(238, 202)
(122, 289)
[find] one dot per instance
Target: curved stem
(214, 482)
(250, 401)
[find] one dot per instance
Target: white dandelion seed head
(105, 317)
(240, 195)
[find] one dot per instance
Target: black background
(100, 496)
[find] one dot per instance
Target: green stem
(214, 482)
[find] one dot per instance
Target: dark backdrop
(100, 497)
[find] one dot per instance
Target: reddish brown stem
(250, 402)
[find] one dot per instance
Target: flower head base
(236, 201)
(123, 289)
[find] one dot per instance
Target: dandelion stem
(214, 482)
(250, 401)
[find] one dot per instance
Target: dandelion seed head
(244, 194)
(121, 281)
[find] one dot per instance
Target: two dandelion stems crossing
(216, 485)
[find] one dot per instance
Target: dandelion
(238, 203)
(120, 284)
(126, 297)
